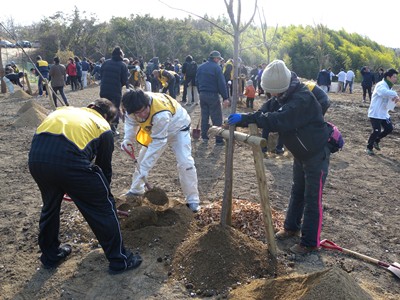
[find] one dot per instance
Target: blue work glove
(234, 119)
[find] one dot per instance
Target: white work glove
(229, 82)
(127, 144)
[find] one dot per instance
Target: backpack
(191, 69)
(335, 140)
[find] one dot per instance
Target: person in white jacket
(383, 100)
(155, 120)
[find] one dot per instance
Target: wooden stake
(28, 84)
(264, 195)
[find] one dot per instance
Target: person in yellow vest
(155, 120)
(167, 79)
(228, 74)
(71, 153)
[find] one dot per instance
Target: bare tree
(238, 29)
(268, 44)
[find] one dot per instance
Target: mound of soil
(331, 284)
(31, 118)
(31, 114)
(19, 94)
(32, 104)
(218, 257)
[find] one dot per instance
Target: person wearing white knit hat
(300, 123)
(276, 78)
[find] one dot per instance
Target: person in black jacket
(303, 131)
(114, 75)
(71, 154)
(367, 82)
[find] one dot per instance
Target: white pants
(195, 97)
(147, 86)
(9, 85)
(182, 147)
(84, 78)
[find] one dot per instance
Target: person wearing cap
(211, 84)
(114, 75)
(155, 120)
(71, 153)
(300, 123)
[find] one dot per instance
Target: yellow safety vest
(163, 79)
(311, 85)
(160, 102)
(224, 68)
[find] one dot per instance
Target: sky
(377, 22)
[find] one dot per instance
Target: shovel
(393, 267)
(196, 131)
(155, 195)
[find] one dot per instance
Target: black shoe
(63, 252)
(133, 263)
(219, 143)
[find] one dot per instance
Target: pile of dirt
(19, 94)
(328, 284)
(31, 114)
(217, 257)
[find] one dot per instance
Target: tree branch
(205, 19)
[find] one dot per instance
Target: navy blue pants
(306, 197)
(90, 192)
(210, 105)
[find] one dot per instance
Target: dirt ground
(192, 256)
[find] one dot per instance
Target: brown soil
(188, 256)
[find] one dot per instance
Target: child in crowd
(250, 92)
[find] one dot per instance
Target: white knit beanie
(276, 77)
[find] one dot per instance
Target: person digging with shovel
(155, 120)
(71, 153)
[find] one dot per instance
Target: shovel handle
(130, 152)
(331, 245)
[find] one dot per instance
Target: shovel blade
(156, 196)
(196, 134)
(395, 269)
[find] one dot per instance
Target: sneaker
(285, 234)
(377, 147)
(194, 207)
(299, 249)
(133, 263)
(63, 252)
(131, 194)
(370, 152)
(279, 151)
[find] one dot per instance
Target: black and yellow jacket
(74, 137)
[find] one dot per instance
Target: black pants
(377, 134)
(90, 192)
(305, 205)
(365, 90)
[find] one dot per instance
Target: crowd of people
(154, 118)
